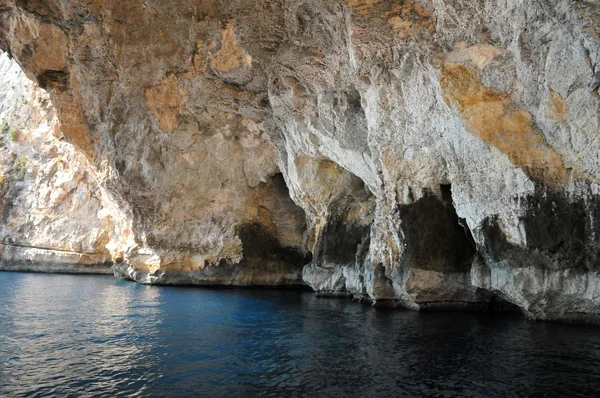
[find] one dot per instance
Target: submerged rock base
(29, 259)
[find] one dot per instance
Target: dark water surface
(92, 335)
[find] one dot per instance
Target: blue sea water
(63, 335)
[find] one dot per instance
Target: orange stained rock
(558, 110)
(402, 27)
(73, 122)
(404, 18)
(166, 102)
(494, 118)
(198, 58)
(40, 46)
(230, 56)
(362, 7)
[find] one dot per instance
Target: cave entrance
(437, 239)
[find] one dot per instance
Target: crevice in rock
(259, 244)
(436, 238)
(50, 79)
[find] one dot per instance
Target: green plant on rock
(4, 127)
(13, 134)
(21, 164)
(24, 100)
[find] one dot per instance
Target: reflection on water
(65, 333)
(92, 335)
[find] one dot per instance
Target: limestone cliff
(49, 201)
(419, 153)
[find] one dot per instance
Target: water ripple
(96, 336)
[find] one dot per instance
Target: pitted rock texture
(423, 153)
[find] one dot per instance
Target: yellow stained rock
(494, 118)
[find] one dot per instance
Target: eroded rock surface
(426, 154)
(51, 205)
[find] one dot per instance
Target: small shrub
(4, 127)
(24, 100)
(21, 163)
(13, 134)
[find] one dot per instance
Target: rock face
(50, 203)
(416, 153)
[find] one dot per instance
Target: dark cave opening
(437, 238)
